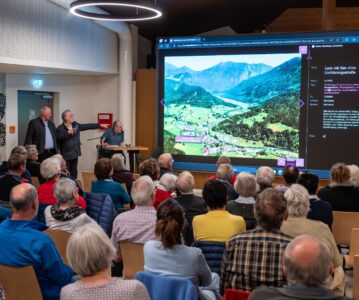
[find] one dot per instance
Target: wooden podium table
(132, 154)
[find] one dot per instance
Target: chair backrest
(213, 253)
(100, 207)
(343, 222)
(35, 181)
(162, 287)
(20, 283)
(60, 238)
(355, 283)
(235, 295)
(132, 257)
(87, 177)
(354, 245)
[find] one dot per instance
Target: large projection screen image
(244, 106)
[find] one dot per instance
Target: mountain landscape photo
(236, 105)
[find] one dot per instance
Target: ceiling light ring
(77, 6)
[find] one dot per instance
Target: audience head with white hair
(185, 183)
(354, 175)
(224, 172)
(168, 181)
(298, 201)
(32, 153)
(165, 161)
(307, 261)
(246, 185)
(50, 168)
(24, 202)
(265, 177)
(66, 193)
(143, 191)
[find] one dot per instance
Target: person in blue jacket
(25, 244)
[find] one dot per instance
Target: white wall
(42, 34)
(84, 95)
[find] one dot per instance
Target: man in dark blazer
(42, 133)
(68, 138)
(192, 205)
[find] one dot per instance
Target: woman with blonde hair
(90, 253)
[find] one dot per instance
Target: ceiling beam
(328, 15)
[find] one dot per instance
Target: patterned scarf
(66, 214)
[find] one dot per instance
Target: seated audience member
(354, 175)
(16, 166)
(246, 186)
(32, 164)
(151, 168)
(104, 184)
(137, 225)
(319, 210)
(66, 174)
(170, 257)
(90, 254)
(119, 172)
(66, 215)
(254, 257)
(17, 150)
(218, 225)
(223, 160)
(290, 175)
(341, 194)
(265, 177)
(167, 184)
(225, 174)
(307, 264)
(165, 161)
(50, 170)
(298, 224)
(192, 205)
(27, 245)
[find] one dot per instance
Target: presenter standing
(42, 133)
(114, 136)
(68, 138)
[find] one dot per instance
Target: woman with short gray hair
(66, 215)
(90, 253)
(120, 173)
(247, 187)
(298, 224)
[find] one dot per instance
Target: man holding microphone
(68, 138)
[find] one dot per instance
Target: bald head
(307, 261)
(185, 182)
(23, 197)
(165, 160)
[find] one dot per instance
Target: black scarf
(66, 214)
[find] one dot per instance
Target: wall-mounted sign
(105, 118)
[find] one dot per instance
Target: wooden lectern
(132, 154)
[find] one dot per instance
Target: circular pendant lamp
(121, 10)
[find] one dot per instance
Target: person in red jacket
(224, 160)
(151, 168)
(50, 169)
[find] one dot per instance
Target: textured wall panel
(41, 33)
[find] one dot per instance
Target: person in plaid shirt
(254, 258)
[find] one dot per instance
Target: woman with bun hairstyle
(170, 257)
(341, 193)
